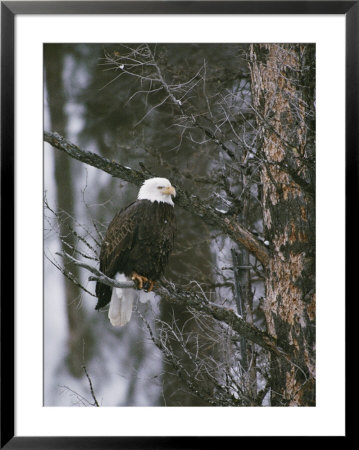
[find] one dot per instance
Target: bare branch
(189, 299)
(99, 276)
(190, 202)
(95, 403)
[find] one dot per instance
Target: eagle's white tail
(121, 303)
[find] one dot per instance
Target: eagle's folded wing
(115, 248)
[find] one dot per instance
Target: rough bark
(283, 97)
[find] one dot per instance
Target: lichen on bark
(283, 97)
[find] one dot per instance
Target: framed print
(175, 180)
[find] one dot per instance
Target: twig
(91, 386)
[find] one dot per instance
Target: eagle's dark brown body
(139, 239)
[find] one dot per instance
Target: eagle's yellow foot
(142, 282)
(138, 280)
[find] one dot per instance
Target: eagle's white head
(157, 190)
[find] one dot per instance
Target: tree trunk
(65, 202)
(283, 84)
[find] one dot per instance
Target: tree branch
(98, 275)
(190, 202)
(95, 402)
(188, 299)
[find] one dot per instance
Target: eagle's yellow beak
(170, 190)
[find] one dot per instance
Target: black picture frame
(8, 12)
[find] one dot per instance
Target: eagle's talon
(137, 283)
(142, 282)
(148, 285)
(138, 280)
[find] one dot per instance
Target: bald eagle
(136, 247)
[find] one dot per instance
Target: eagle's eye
(160, 187)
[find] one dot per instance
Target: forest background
(233, 127)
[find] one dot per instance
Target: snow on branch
(192, 203)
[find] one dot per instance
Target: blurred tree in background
(233, 128)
